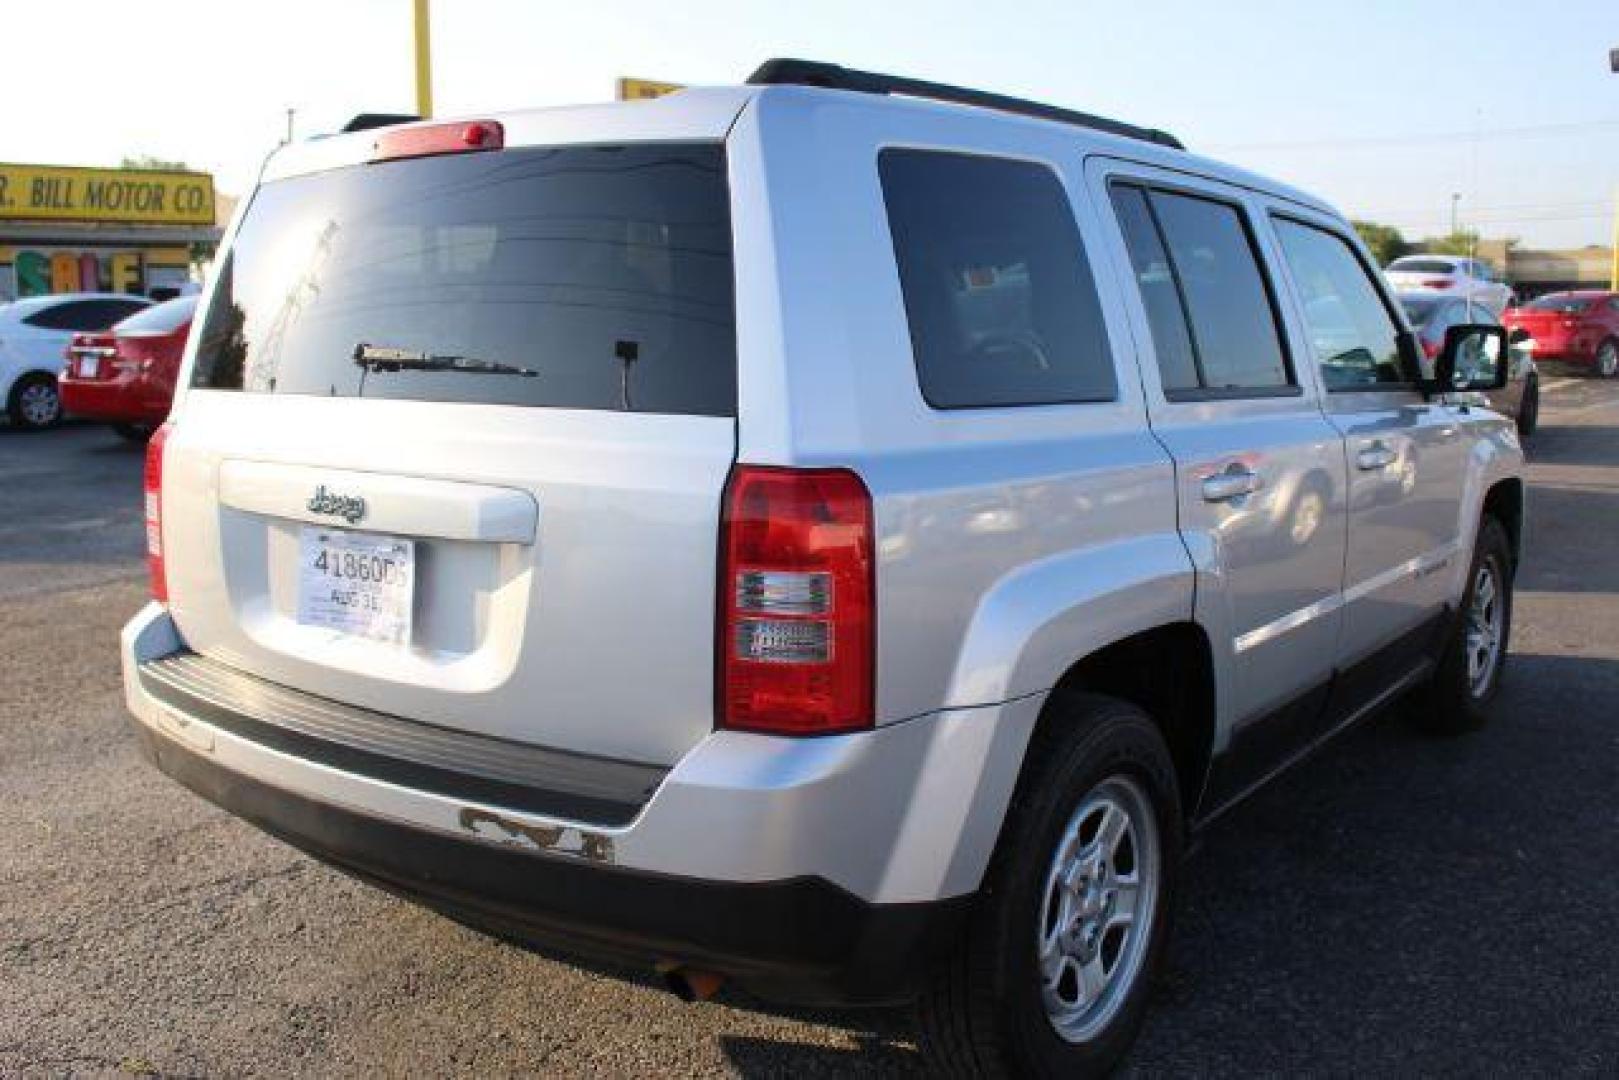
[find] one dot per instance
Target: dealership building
(68, 229)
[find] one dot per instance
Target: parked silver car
(1432, 317)
(837, 534)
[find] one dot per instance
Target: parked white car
(1445, 275)
(33, 336)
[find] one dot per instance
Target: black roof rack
(367, 120)
(835, 77)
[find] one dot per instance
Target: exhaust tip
(690, 984)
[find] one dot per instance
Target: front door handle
(1236, 481)
(1374, 457)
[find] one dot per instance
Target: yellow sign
(642, 89)
(126, 196)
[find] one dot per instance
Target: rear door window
(998, 292)
(578, 277)
(1160, 292)
(1208, 302)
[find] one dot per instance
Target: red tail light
(1437, 283)
(797, 619)
(154, 514)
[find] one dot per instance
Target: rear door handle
(1374, 457)
(1237, 480)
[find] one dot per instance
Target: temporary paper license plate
(88, 366)
(357, 583)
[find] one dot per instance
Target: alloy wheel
(39, 403)
(1486, 616)
(1098, 906)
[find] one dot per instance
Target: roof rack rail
(787, 72)
(367, 120)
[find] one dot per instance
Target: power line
(1534, 131)
(1427, 208)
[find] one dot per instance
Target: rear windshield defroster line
(604, 271)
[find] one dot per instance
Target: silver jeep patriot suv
(837, 534)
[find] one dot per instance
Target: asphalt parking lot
(1399, 905)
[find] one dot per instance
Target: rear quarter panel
(1011, 541)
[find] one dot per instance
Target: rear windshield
(1567, 305)
(580, 277)
(1423, 266)
(1418, 311)
(164, 318)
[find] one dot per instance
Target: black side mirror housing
(1474, 357)
(1518, 336)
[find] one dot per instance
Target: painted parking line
(1552, 386)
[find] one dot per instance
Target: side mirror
(1518, 336)
(1474, 357)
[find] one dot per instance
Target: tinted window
(1233, 322)
(1417, 311)
(1423, 266)
(583, 277)
(163, 318)
(1355, 339)
(84, 314)
(1160, 295)
(1559, 302)
(998, 294)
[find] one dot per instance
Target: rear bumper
(802, 941)
(1562, 348)
(125, 399)
(817, 871)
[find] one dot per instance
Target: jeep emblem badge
(351, 508)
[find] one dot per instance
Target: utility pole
(424, 60)
(1455, 199)
(1613, 251)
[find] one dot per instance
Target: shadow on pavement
(871, 1055)
(1573, 444)
(1577, 561)
(1413, 904)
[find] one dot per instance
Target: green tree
(1383, 241)
(1460, 242)
(156, 164)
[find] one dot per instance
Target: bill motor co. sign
(125, 196)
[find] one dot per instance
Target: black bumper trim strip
(577, 787)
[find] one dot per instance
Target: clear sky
(1386, 108)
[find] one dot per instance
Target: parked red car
(126, 375)
(1573, 327)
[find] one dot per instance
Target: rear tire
(1606, 364)
(36, 403)
(1529, 409)
(1475, 654)
(1056, 968)
(135, 433)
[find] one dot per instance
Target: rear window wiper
(384, 358)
